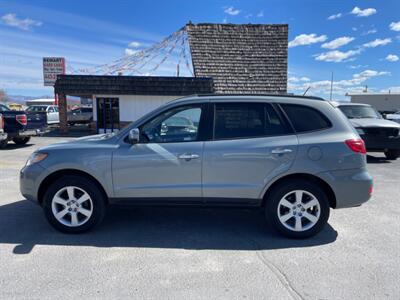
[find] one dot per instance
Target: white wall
(132, 107)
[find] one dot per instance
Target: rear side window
(245, 120)
(305, 118)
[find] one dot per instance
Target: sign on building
(52, 66)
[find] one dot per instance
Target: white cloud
(340, 87)
(134, 44)
(307, 39)
(248, 16)
(371, 31)
(358, 66)
(354, 28)
(363, 12)
(225, 20)
(395, 26)
(392, 58)
(336, 43)
(333, 17)
(298, 79)
(378, 42)
(129, 51)
(336, 55)
(24, 24)
(231, 11)
(260, 14)
(392, 89)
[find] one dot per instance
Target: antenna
(306, 91)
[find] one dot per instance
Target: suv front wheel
(297, 208)
(74, 204)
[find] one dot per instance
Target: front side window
(305, 118)
(176, 125)
(51, 109)
(246, 120)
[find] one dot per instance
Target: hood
(93, 141)
(359, 123)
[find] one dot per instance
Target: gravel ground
(191, 253)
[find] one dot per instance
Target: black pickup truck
(19, 126)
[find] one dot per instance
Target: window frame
(201, 133)
(280, 106)
(281, 118)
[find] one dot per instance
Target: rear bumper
(351, 187)
(381, 143)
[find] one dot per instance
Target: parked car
(394, 117)
(15, 127)
(83, 115)
(379, 135)
(294, 157)
(3, 135)
(49, 111)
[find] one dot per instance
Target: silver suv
(294, 157)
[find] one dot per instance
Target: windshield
(36, 108)
(359, 112)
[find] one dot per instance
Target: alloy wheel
(299, 210)
(72, 206)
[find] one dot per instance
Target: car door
(251, 144)
(56, 115)
(167, 161)
(50, 115)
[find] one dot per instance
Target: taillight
(21, 119)
(1, 121)
(370, 190)
(356, 145)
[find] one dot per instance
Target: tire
(3, 144)
(21, 140)
(312, 218)
(57, 199)
(392, 154)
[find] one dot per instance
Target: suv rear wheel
(74, 204)
(297, 208)
(392, 154)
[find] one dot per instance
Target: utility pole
(331, 87)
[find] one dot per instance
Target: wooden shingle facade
(248, 59)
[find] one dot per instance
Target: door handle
(281, 151)
(188, 156)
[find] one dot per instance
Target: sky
(359, 41)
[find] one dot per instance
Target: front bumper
(351, 187)
(30, 178)
(381, 143)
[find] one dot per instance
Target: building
(226, 58)
(118, 100)
(247, 59)
(383, 102)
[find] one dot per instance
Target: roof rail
(269, 95)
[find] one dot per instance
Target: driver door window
(173, 126)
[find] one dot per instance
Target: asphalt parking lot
(199, 253)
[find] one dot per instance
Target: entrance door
(107, 115)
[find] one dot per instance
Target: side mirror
(134, 135)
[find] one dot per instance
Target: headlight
(35, 158)
(360, 131)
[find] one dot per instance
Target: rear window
(246, 120)
(36, 108)
(305, 118)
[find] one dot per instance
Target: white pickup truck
(394, 117)
(3, 135)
